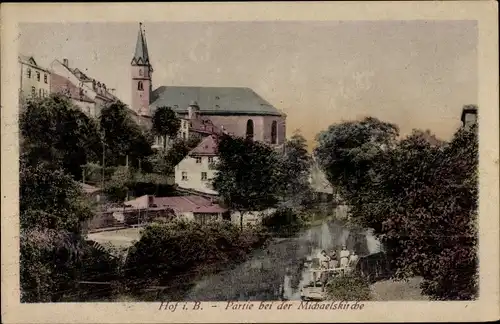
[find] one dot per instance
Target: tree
(54, 130)
(166, 123)
(246, 176)
(50, 199)
(52, 209)
(419, 194)
(118, 187)
(123, 137)
(294, 167)
(348, 151)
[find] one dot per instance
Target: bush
(348, 288)
(178, 250)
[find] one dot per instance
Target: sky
(416, 74)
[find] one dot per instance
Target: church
(235, 110)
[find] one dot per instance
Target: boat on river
(318, 277)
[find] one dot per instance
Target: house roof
(207, 147)
(213, 100)
(60, 84)
(196, 204)
(141, 54)
(30, 60)
(85, 78)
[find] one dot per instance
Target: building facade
(63, 86)
(196, 171)
(87, 87)
(236, 110)
(35, 80)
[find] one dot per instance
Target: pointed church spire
(141, 55)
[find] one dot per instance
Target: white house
(196, 170)
(35, 80)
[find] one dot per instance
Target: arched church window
(274, 132)
(140, 72)
(249, 131)
(140, 86)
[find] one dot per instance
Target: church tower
(142, 71)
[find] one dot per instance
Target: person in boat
(324, 260)
(344, 256)
(353, 259)
(334, 262)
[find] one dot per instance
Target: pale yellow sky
(417, 74)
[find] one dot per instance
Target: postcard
(250, 162)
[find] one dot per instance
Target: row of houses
(87, 93)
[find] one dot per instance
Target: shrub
(348, 288)
(180, 249)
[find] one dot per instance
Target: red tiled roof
(61, 85)
(195, 204)
(208, 146)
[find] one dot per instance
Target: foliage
(118, 187)
(54, 130)
(294, 168)
(246, 176)
(53, 254)
(349, 151)
(166, 123)
(172, 252)
(348, 288)
(47, 264)
(420, 197)
(284, 222)
(50, 199)
(123, 136)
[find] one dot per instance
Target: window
(45, 78)
(28, 72)
(184, 176)
(140, 72)
(140, 86)
(40, 93)
(37, 76)
(33, 91)
(210, 159)
(203, 176)
(274, 132)
(249, 132)
(198, 160)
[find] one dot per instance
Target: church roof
(213, 100)
(141, 55)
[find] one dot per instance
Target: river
(276, 272)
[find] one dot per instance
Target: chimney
(66, 62)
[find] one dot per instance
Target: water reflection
(278, 272)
